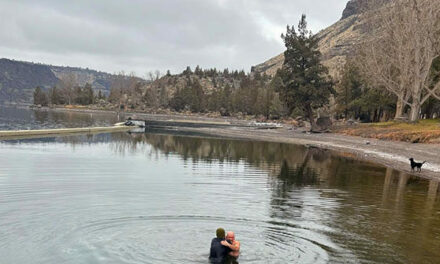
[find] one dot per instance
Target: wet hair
(220, 232)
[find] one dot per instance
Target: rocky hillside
(337, 41)
(18, 79)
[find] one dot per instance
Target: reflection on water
(18, 118)
(158, 198)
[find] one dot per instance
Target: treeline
(357, 99)
(396, 75)
(245, 93)
(210, 90)
(79, 95)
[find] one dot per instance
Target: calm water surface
(15, 118)
(158, 197)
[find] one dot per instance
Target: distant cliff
(337, 41)
(18, 79)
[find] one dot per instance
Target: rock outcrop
(337, 41)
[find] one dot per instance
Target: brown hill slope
(18, 79)
(335, 42)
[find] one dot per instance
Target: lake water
(158, 197)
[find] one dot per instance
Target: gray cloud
(136, 35)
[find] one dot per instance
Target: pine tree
(226, 101)
(187, 71)
(40, 97)
(78, 96)
(178, 102)
(305, 81)
(349, 89)
(100, 95)
(198, 71)
(55, 96)
(89, 96)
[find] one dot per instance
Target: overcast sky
(144, 35)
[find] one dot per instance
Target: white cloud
(136, 35)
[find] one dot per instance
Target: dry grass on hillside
(425, 131)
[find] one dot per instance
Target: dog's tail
(424, 162)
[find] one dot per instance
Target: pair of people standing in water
(224, 245)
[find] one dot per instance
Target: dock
(21, 134)
(129, 125)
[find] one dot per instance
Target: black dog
(417, 165)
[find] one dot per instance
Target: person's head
(230, 236)
(220, 232)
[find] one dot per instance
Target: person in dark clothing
(218, 252)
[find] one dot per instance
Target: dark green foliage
(349, 89)
(305, 81)
(373, 105)
(177, 102)
(191, 97)
(226, 101)
(100, 95)
(187, 71)
(84, 95)
(245, 98)
(431, 108)
(40, 97)
(55, 97)
(198, 71)
(231, 92)
(356, 99)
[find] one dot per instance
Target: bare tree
(67, 85)
(126, 90)
(401, 54)
(154, 90)
(153, 76)
(117, 87)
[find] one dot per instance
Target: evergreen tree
(196, 96)
(226, 72)
(89, 96)
(40, 97)
(78, 96)
(187, 71)
(101, 96)
(349, 89)
(178, 102)
(276, 107)
(198, 71)
(214, 101)
(226, 101)
(305, 81)
(55, 96)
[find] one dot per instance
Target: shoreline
(386, 153)
(393, 154)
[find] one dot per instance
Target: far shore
(393, 154)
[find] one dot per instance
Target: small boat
(133, 122)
